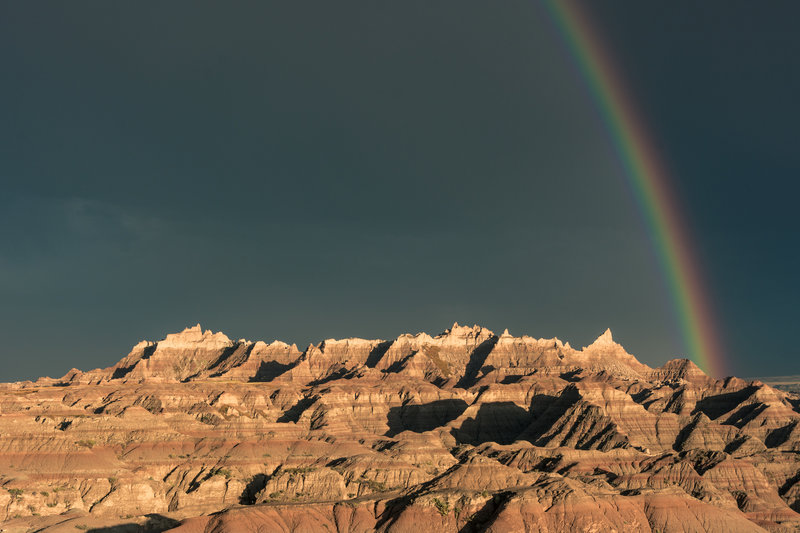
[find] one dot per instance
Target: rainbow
(649, 181)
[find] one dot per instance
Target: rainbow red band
(649, 181)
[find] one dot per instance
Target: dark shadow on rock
(241, 350)
(795, 403)
(545, 411)
(499, 422)
(121, 372)
(293, 413)
(391, 510)
(610, 477)
(377, 353)
(548, 464)
(238, 349)
(602, 436)
(397, 366)
(508, 380)
(440, 382)
(341, 373)
(702, 460)
(744, 415)
(737, 443)
(483, 517)
(476, 360)
(155, 523)
(572, 376)
(641, 396)
(540, 403)
(791, 482)
(683, 434)
(150, 402)
(269, 370)
(335, 463)
(254, 486)
(423, 417)
(776, 437)
(146, 354)
(716, 406)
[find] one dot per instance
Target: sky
(308, 170)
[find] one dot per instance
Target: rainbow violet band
(649, 181)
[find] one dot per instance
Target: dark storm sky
(303, 170)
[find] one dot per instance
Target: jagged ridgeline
(463, 431)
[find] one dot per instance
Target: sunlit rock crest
(463, 431)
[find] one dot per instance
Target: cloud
(44, 240)
(94, 219)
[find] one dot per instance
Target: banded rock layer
(465, 431)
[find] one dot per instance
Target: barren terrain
(465, 431)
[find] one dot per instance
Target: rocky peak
(605, 344)
(606, 339)
(466, 332)
(141, 346)
(195, 336)
(605, 353)
(677, 369)
(348, 343)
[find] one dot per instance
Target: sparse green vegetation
(433, 354)
(374, 486)
(299, 470)
(441, 506)
(16, 494)
(86, 443)
(210, 419)
(222, 472)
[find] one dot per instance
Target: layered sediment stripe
(649, 181)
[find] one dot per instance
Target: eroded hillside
(464, 431)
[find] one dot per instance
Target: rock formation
(464, 431)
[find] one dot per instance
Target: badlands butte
(462, 432)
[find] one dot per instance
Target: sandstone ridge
(463, 431)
